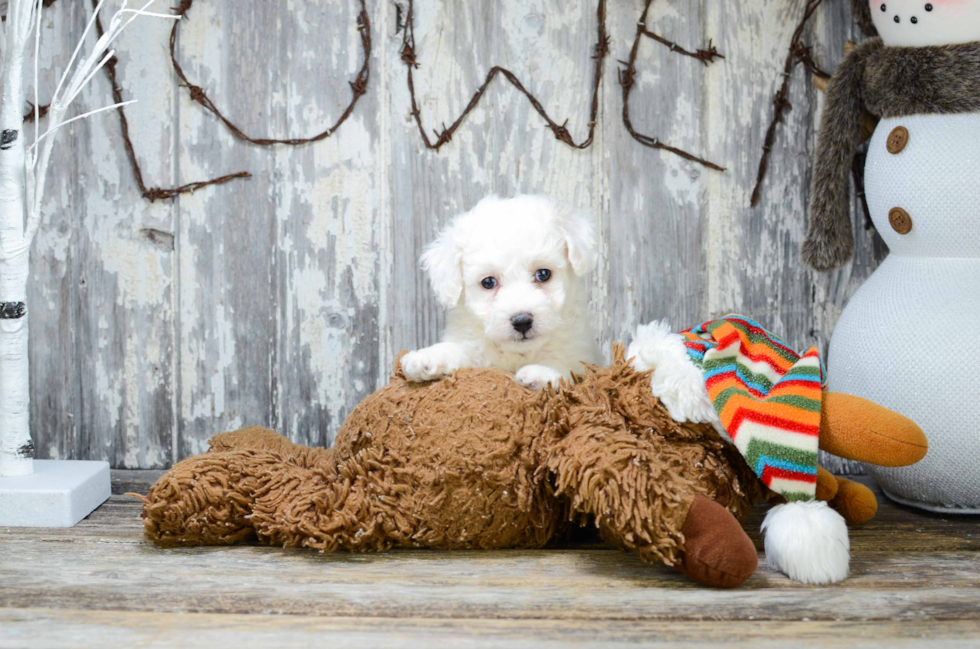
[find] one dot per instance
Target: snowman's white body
(909, 337)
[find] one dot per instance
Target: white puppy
(510, 273)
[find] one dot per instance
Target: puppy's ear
(442, 260)
(580, 240)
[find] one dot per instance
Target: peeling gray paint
(282, 300)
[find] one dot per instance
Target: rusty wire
(358, 86)
(627, 79)
(42, 112)
(410, 58)
(149, 193)
(705, 56)
(798, 54)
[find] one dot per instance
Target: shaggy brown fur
(473, 461)
(887, 82)
(477, 461)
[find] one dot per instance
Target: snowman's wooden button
(900, 220)
(897, 139)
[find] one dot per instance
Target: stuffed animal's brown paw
(717, 551)
(203, 500)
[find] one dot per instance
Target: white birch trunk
(21, 194)
(16, 448)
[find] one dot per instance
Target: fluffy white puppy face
(511, 263)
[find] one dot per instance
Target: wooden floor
(915, 580)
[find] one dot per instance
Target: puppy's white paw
(428, 364)
(537, 376)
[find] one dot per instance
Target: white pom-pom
(808, 542)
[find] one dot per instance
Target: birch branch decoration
(23, 171)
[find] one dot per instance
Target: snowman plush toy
(908, 338)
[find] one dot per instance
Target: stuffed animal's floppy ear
(829, 240)
(580, 240)
(442, 260)
(861, 10)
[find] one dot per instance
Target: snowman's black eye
(883, 7)
(897, 19)
(914, 20)
(928, 7)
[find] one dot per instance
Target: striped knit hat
(767, 398)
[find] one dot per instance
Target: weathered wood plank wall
(283, 299)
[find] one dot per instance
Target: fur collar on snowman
(923, 59)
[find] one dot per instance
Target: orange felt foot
(855, 502)
(858, 429)
(826, 484)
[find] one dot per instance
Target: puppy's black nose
(522, 322)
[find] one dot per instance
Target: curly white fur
(807, 541)
(509, 241)
(676, 380)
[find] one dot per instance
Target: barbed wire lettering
(409, 56)
(627, 79)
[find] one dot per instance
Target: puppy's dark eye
(489, 283)
(543, 275)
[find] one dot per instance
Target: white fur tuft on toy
(677, 382)
(807, 541)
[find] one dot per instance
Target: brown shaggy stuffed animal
(477, 461)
